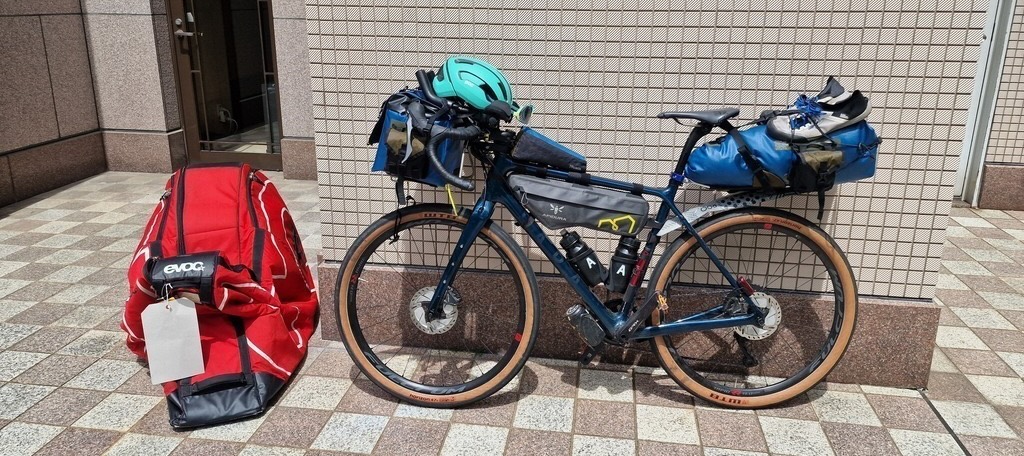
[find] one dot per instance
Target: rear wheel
(491, 309)
(802, 282)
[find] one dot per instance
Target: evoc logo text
(184, 267)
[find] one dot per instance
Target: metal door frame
(978, 129)
(187, 108)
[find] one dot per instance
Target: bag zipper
(181, 212)
(156, 248)
(252, 207)
(258, 234)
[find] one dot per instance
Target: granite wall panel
(46, 97)
(293, 77)
(37, 7)
(43, 168)
(6, 182)
(27, 103)
(148, 152)
(127, 76)
(71, 76)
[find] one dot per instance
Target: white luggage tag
(172, 340)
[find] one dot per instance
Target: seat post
(699, 131)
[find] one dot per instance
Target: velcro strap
(196, 271)
(821, 203)
(752, 162)
(243, 346)
(579, 178)
(638, 189)
(400, 191)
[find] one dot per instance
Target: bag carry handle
(191, 389)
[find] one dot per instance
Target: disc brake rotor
(418, 311)
(772, 318)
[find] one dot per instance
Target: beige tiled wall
(1006, 143)
(598, 73)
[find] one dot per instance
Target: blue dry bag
(845, 155)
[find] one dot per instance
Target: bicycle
(725, 321)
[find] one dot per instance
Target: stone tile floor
(68, 385)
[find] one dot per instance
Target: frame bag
(559, 204)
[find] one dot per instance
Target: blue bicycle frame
(623, 322)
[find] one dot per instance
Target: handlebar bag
(559, 204)
(534, 147)
(393, 137)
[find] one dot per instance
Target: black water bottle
(583, 258)
(621, 267)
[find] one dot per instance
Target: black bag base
(237, 398)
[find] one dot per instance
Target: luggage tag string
(167, 295)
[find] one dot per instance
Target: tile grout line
(515, 410)
(942, 420)
(575, 404)
(636, 415)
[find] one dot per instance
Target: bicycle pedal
(589, 354)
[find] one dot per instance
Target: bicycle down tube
(496, 191)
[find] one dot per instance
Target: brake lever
(424, 78)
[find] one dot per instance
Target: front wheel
(490, 312)
(802, 283)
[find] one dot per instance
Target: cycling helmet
(472, 80)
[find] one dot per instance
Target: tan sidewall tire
(843, 271)
(526, 276)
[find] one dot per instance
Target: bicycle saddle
(711, 116)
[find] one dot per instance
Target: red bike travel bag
(256, 297)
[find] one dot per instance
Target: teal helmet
(472, 80)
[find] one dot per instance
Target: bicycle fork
(477, 220)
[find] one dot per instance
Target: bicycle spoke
(470, 352)
(786, 272)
